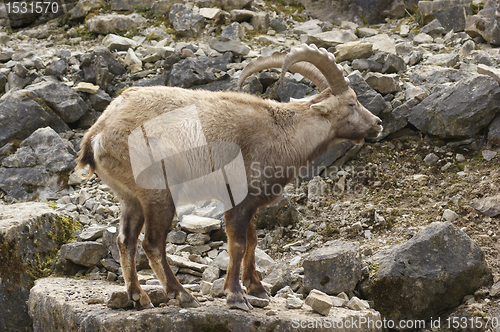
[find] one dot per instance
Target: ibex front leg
(131, 223)
(237, 220)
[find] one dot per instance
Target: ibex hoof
(237, 301)
(188, 301)
(262, 295)
(139, 306)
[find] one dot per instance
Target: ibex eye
(352, 105)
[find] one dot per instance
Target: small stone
(110, 264)
(176, 237)
(271, 313)
(357, 304)
(488, 154)
(422, 38)
(431, 159)
(210, 13)
(205, 287)
(404, 30)
(294, 303)
(217, 289)
(84, 253)
(196, 224)
(257, 301)
(211, 274)
(446, 166)
(495, 290)
(460, 157)
(488, 205)
(118, 299)
(450, 215)
(197, 239)
(319, 302)
(187, 53)
(86, 87)
(118, 43)
(95, 299)
(132, 59)
(92, 233)
(222, 260)
(338, 301)
(111, 276)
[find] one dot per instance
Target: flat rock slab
(60, 304)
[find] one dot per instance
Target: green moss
(64, 228)
(365, 19)
(375, 268)
(476, 7)
(122, 90)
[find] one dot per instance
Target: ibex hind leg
(158, 220)
(131, 224)
(249, 276)
(237, 220)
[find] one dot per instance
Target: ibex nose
(379, 122)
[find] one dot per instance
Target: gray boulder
(38, 167)
(113, 23)
(383, 83)
(367, 96)
(429, 76)
(21, 115)
(52, 295)
(184, 21)
(100, 68)
(30, 236)
(320, 165)
(281, 213)
(450, 13)
(195, 71)
(494, 131)
(291, 89)
(222, 44)
(83, 7)
(459, 110)
(99, 100)
(87, 253)
(427, 275)
(490, 206)
(333, 268)
(355, 11)
(486, 23)
(57, 68)
(279, 277)
(64, 101)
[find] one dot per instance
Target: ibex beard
(238, 130)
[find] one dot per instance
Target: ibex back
(270, 135)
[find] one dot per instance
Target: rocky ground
(436, 90)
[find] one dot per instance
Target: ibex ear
(319, 107)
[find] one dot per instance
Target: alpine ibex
(269, 135)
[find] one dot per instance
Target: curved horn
(276, 61)
(321, 59)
